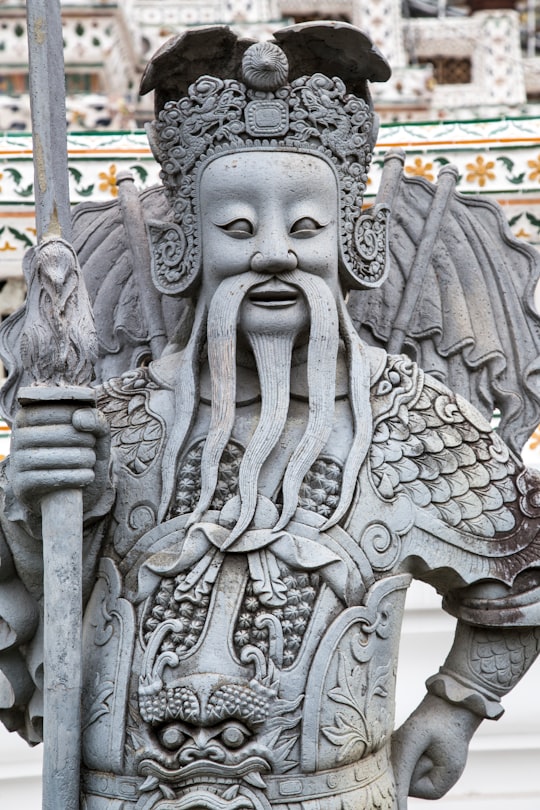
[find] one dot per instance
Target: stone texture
(273, 482)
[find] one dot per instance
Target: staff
(61, 369)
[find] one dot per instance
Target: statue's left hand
(429, 750)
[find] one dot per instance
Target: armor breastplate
(257, 684)
(259, 676)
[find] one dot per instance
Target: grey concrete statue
(273, 482)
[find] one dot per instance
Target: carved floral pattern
(189, 479)
(189, 610)
(354, 739)
(321, 487)
(293, 617)
(319, 491)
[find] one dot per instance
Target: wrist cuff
(449, 687)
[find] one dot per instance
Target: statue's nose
(201, 750)
(272, 259)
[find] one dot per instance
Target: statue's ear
(172, 274)
(368, 251)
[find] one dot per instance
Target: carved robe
(263, 674)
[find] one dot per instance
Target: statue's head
(265, 163)
(263, 135)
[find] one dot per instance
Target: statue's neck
(165, 372)
(248, 387)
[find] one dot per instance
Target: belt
(111, 785)
(320, 785)
(332, 782)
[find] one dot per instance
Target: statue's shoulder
(137, 427)
(395, 380)
(432, 445)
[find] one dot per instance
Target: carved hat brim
(332, 48)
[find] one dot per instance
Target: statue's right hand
(59, 446)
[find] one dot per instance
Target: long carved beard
(273, 358)
(273, 354)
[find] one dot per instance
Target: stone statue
(273, 482)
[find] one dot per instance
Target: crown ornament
(265, 66)
(267, 109)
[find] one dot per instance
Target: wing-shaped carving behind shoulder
(473, 325)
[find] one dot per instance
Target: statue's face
(270, 212)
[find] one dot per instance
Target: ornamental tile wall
(95, 160)
(498, 158)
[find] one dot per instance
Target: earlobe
(368, 263)
(172, 274)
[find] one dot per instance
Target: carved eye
(234, 736)
(305, 227)
(171, 736)
(238, 228)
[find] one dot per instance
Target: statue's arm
(430, 749)
(484, 664)
(52, 448)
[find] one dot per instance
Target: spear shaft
(48, 106)
(61, 510)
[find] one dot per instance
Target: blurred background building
(465, 89)
(450, 59)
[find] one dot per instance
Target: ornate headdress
(275, 106)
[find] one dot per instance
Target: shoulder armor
(434, 446)
(136, 431)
